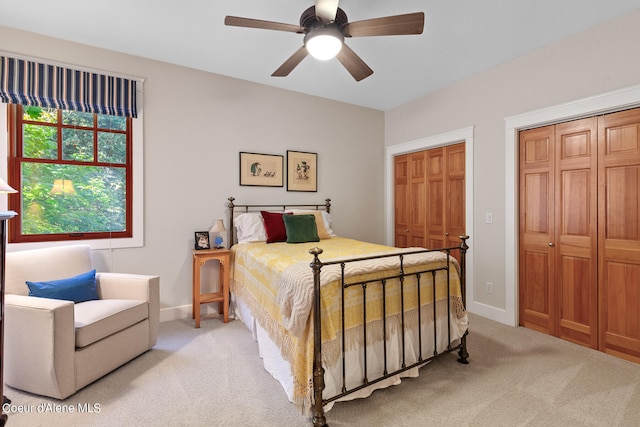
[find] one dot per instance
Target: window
(74, 173)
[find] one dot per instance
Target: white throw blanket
(295, 287)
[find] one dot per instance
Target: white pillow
(326, 218)
(250, 228)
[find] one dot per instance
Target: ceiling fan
(325, 26)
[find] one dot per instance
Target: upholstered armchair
(55, 347)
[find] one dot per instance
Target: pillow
(274, 226)
(322, 230)
(326, 216)
(78, 288)
(301, 228)
(326, 219)
(250, 228)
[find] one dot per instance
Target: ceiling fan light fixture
(324, 43)
(324, 31)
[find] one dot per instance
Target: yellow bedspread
(276, 281)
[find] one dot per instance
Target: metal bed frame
(316, 265)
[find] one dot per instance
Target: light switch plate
(488, 218)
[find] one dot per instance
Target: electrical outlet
(489, 287)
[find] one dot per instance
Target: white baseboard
(492, 313)
(182, 312)
(174, 313)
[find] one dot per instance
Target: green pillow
(78, 288)
(301, 228)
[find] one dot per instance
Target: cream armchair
(55, 347)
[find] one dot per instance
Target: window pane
(112, 147)
(77, 144)
(39, 142)
(65, 191)
(77, 118)
(39, 114)
(72, 199)
(112, 122)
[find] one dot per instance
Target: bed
(336, 318)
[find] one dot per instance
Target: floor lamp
(4, 216)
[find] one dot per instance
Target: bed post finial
(231, 205)
(315, 251)
(464, 245)
(327, 205)
(319, 419)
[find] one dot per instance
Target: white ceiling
(461, 38)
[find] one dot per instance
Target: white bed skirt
(280, 369)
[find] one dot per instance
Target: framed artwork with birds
(261, 169)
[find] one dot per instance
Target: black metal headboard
(254, 208)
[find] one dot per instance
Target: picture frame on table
(302, 171)
(202, 240)
(265, 170)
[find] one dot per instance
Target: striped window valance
(53, 86)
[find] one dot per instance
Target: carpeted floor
(213, 377)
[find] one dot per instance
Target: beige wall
(597, 61)
(195, 123)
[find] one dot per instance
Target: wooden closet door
(558, 230)
(430, 201)
(446, 200)
(455, 202)
(575, 228)
(537, 301)
(619, 233)
(417, 201)
(401, 195)
(435, 203)
(409, 190)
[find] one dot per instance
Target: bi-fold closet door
(579, 256)
(429, 189)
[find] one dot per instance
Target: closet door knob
(551, 244)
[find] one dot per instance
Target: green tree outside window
(73, 172)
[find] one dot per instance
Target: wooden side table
(200, 257)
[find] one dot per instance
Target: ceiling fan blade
(291, 63)
(236, 21)
(353, 63)
(326, 10)
(411, 23)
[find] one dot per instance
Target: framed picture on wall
(202, 240)
(302, 171)
(265, 170)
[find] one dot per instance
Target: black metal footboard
(423, 275)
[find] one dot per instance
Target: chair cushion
(95, 320)
(38, 265)
(78, 288)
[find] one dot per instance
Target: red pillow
(274, 226)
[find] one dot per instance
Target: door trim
(448, 138)
(591, 106)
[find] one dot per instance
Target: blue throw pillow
(78, 288)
